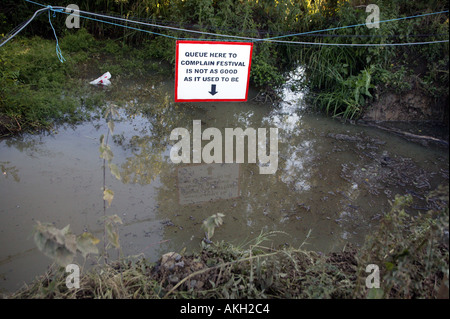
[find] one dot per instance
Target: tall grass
(337, 76)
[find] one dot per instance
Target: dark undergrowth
(38, 92)
(341, 81)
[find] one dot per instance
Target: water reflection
(207, 182)
(9, 171)
(332, 179)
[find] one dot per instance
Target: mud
(413, 104)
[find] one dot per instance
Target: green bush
(409, 250)
(334, 74)
(36, 90)
(79, 40)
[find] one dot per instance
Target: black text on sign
(212, 71)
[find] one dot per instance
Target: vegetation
(36, 92)
(32, 86)
(409, 251)
(342, 81)
(35, 89)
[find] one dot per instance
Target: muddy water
(332, 184)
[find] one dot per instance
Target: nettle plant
(61, 244)
(110, 231)
(209, 225)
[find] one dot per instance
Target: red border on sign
(212, 100)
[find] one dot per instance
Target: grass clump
(36, 90)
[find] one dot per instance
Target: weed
(410, 250)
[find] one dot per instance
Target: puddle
(333, 180)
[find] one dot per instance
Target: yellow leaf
(108, 195)
(111, 126)
(114, 170)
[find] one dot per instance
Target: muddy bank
(412, 114)
(409, 106)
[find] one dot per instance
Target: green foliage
(349, 97)
(330, 71)
(263, 72)
(409, 250)
(112, 232)
(79, 40)
(36, 90)
(393, 79)
(108, 195)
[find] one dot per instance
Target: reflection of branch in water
(147, 161)
(145, 166)
(12, 170)
(31, 146)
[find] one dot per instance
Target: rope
(355, 25)
(125, 26)
(360, 44)
(58, 49)
(248, 38)
(271, 39)
(20, 27)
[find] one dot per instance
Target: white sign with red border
(212, 71)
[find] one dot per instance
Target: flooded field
(333, 180)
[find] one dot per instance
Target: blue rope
(254, 39)
(58, 49)
(272, 39)
(351, 26)
(36, 3)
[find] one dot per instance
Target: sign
(207, 182)
(212, 71)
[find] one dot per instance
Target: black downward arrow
(213, 89)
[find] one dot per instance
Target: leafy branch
(109, 231)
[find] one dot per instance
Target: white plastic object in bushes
(103, 80)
